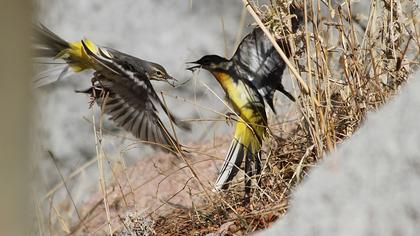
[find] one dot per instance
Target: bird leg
(230, 117)
(248, 178)
(92, 96)
(258, 168)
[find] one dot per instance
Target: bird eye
(159, 73)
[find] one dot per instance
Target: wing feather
(112, 64)
(131, 98)
(142, 123)
(257, 61)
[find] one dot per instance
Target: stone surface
(370, 185)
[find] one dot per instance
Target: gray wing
(114, 65)
(129, 98)
(257, 60)
(129, 108)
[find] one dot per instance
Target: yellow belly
(241, 97)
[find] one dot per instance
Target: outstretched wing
(129, 98)
(135, 113)
(113, 65)
(257, 60)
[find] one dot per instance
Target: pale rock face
(371, 184)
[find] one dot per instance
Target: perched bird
(249, 78)
(120, 85)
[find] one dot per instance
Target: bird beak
(171, 80)
(192, 68)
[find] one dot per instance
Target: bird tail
(50, 45)
(245, 144)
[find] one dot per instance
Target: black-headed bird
(120, 85)
(249, 78)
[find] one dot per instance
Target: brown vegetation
(350, 64)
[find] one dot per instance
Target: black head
(211, 63)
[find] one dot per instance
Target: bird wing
(257, 60)
(115, 65)
(129, 98)
(129, 107)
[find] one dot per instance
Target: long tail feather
(231, 165)
(48, 43)
(50, 76)
(244, 145)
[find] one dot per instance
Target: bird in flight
(120, 85)
(249, 78)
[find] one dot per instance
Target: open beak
(192, 68)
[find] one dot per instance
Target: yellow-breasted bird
(120, 85)
(249, 78)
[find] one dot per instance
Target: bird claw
(92, 101)
(230, 117)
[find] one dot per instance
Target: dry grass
(351, 65)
